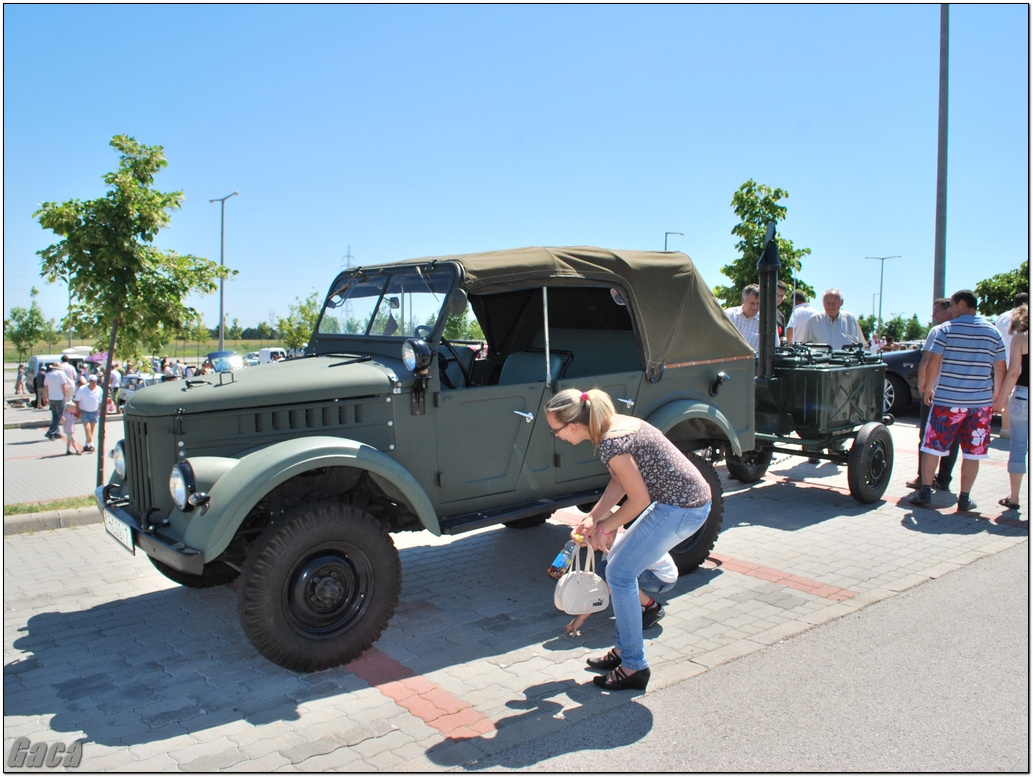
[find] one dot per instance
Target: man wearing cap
(88, 398)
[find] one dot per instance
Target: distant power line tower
(347, 266)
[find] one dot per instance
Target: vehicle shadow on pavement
(161, 664)
(536, 708)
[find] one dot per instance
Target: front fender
(673, 413)
(242, 483)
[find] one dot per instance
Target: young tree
(118, 280)
(996, 294)
(756, 205)
(297, 328)
(235, 331)
(26, 326)
(265, 331)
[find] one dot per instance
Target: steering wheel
(455, 357)
(423, 331)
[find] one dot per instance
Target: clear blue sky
(407, 131)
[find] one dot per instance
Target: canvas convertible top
(678, 319)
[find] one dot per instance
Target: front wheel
(693, 551)
(319, 587)
(870, 463)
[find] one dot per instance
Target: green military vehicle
(293, 476)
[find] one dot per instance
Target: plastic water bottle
(564, 558)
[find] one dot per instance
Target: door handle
(528, 417)
(628, 402)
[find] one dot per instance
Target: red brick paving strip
(423, 699)
(796, 582)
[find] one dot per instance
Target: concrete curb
(51, 519)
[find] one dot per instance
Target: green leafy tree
(462, 327)
(757, 205)
(915, 330)
(118, 280)
(26, 326)
(235, 331)
(51, 333)
(996, 294)
(300, 322)
(197, 332)
(265, 331)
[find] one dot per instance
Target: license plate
(120, 531)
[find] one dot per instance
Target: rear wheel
(896, 395)
(319, 587)
(693, 551)
(870, 464)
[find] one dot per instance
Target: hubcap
(327, 591)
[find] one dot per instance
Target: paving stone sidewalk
(99, 647)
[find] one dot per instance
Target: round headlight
(416, 354)
(118, 455)
(181, 485)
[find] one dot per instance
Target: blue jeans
(1018, 418)
(657, 530)
(57, 408)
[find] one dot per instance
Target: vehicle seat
(529, 367)
(453, 370)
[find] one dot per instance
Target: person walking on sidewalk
(665, 492)
(68, 420)
(88, 398)
(1017, 402)
(966, 362)
(57, 385)
(19, 381)
(945, 471)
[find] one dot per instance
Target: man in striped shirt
(966, 360)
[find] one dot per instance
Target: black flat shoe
(610, 661)
(617, 680)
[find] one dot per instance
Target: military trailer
(290, 478)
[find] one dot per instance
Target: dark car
(901, 380)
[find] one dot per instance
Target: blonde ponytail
(593, 408)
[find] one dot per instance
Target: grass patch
(56, 504)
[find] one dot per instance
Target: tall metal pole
(222, 251)
(940, 244)
(882, 269)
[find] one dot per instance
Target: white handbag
(582, 591)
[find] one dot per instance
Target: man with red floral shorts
(966, 360)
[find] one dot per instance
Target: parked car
(226, 361)
(132, 383)
(901, 392)
(270, 355)
(294, 479)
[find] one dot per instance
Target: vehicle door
(483, 434)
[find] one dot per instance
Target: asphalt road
(934, 679)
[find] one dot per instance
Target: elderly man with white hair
(835, 327)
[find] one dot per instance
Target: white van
(268, 355)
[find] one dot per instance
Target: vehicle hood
(295, 381)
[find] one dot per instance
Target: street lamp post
(222, 250)
(667, 234)
(882, 269)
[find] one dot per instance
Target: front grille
(137, 464)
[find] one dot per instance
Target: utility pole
(940, 244)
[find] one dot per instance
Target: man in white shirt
(835, 327)
(56, 384)
(746, 316)
(801, 312)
